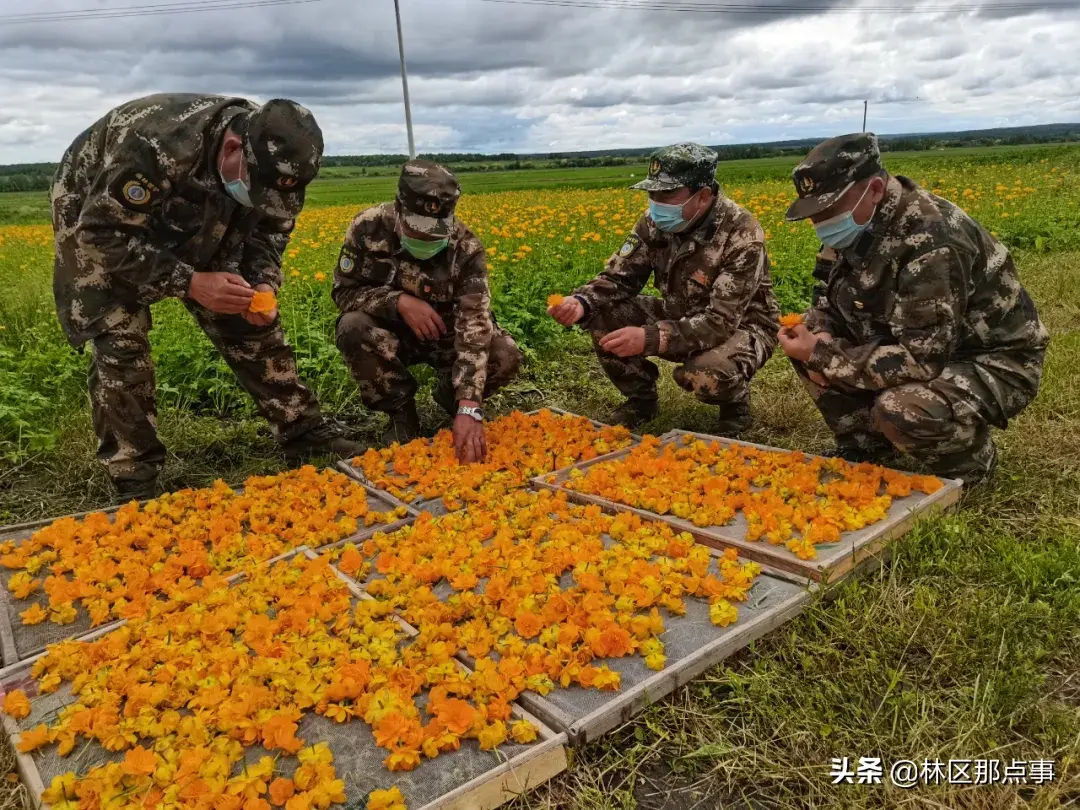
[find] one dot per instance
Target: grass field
(966, 646)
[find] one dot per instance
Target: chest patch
(700, 277)
(136, 191)
(630, 245)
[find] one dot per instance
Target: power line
(788, 8)
(188, 7)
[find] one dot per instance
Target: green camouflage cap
(831, 169)
(684, 165)
(283, 146)
(428, 193)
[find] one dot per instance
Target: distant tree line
(26, 176)
(38, 176)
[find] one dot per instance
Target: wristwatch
(475, 413)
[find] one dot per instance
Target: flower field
(538, 242)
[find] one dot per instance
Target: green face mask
(422, 248)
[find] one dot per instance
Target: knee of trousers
(915, 417)
(504, 361)
(358, 336)
(124, 358)
(718, 380)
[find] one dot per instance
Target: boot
(404, 425)
(635, 412)
(444, 396)
(136, 489)
(324, 439)
(734, 419)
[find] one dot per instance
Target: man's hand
(224, 293)
(469, 442)
(569, 312)
(798, 343)
(626, 342)
(420, 317)
(817, 379)
(261, 318)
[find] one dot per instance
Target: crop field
(965, 646)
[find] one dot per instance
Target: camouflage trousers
(718, 376)
(378, 354)
(123, 393)
(944, 424)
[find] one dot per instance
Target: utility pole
(404, 81)
(864, 106)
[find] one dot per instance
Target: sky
(494, 77)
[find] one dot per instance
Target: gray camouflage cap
(684, 165)
(283, 146)
(830, 169)
(428, 194)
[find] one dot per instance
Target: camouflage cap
(283, 146)
(428, 193)
(831, 169)
(684, 165)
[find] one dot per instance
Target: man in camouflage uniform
(717, 315)
(411, 283)
(190, 197)
(921, 337)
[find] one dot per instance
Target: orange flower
(263, 301)
(139, 762)
(554, 300)
(16, 704)
(528, 625)
(791, 320)
(281, 790)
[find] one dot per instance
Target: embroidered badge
(347, 262)
(806, 185)
(654, 167)
(630, 245)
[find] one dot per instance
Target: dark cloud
(497, 77)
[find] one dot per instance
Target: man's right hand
(569, 312)
(224, 293)
(420, 317)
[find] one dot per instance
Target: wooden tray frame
(9, 655)
(835, 562)
(497, 786)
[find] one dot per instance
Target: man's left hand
(261, 318)
(798, 343)
(469, 443)
(626, 342)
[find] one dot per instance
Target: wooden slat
(28, 771)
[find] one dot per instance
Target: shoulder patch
(347, 260)
(136, 191)
(630, 245)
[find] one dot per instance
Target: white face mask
(842, 230)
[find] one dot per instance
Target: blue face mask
(237, 189)
(667, 217)
(841, 231)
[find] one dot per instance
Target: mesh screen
(29, 640)
(735, 529)
(357, 759)
(683, 636)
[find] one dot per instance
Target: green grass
(966, 645)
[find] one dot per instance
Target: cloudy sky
(505, 77)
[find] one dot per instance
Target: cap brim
(278, 204)
(656, 185)
(432, 226)
(806, 207)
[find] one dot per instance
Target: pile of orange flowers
(542, 590)
(227, 668)
(786, 497)
(520, 447)
(118, 568)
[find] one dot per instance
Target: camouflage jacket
(138, 203)
(923, 286)
(373, 271)
(714, 279)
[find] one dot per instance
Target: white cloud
(519, 78)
